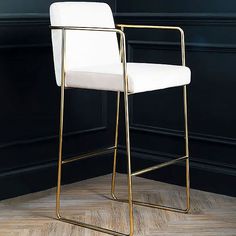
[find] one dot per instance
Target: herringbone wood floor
(33, 214)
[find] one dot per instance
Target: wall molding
(178, 18)
(212, 166)
(103, 127)
(155, 45)
(51, 137)
(19, 19)
(204, 175)
(180, 134)
(29, 25)
(26, 180)
(137, 17)
(203, 47)
(25, 46)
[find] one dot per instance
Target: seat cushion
(141, 77)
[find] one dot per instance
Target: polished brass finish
(186, 149)
(60, 161)
(159, 166)
(186, 157)
(116, 144)
(156, 206)
(58, 195)
(127, 134)
(126, 105)
(121, 45)
(117, 128)
(122, 26)
(92, 227)
(90, 154)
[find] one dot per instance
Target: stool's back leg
(130, 197)
(186, 149)
(116, 144)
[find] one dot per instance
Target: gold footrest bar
(139, 172)
(155, 206)
(90, 154)
(92, 227)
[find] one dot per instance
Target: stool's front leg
(58, 194)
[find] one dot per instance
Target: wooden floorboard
(89, 201)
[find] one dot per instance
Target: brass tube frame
(116, 145)
(90, 154)
(126, 94)
(117, 130)
(159, 166)
(186, 157)
(60, 161)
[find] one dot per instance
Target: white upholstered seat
(92, 59)
(141, 77)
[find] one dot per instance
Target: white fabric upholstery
(141, 77)
(92, 58)
(83, 48)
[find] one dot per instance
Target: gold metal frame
(186, 157)
(61, 162)
(99, 152)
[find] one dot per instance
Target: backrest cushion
(83, 48)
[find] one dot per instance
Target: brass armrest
(54, 27)
(122, 26)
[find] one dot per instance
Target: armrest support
(113, 30)
(122, 26)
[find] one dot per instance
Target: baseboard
(207, 177)
(40, 177)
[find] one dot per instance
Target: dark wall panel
(157, 117)
(209, 91)
(216, 6)
(34, 6)
(30, 99)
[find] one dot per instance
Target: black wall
(29, 98)
(29, 101)
(157, 119)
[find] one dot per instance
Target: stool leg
(58, 194)
(60, 162)
(186, 158)
(115, 151)
(186, 150)
(130, 196)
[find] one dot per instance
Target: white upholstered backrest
(83, 48)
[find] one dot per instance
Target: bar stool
(87, 55)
